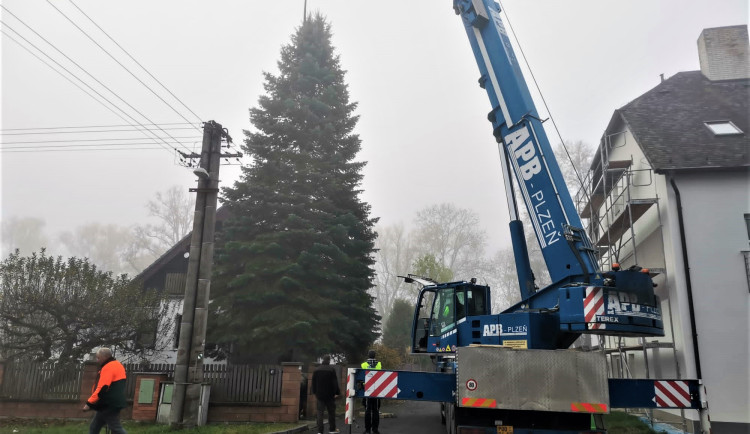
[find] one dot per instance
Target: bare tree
(106, 245)
(503, 280)
(393, 257)
(25, 234)
(174, 210)
(574, 163)
(452, 235)
(447, 244)
(573, 168)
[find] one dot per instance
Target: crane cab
(442, 310)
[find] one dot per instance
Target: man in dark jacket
(325, 387)
(108, 396)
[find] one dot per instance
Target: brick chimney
(723, 53)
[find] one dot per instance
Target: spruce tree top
(295, 261)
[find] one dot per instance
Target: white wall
(165, 347)
(714, 205)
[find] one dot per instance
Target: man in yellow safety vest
(372, 405)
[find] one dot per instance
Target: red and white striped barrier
(381, 384)
(671, 394)
(593, 305)
(349, 414)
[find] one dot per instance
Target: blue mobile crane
(513, 371)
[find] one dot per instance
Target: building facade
(669, 190)
(168, 275)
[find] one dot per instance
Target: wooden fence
(244, 383)
(252, 384)
(41, 381)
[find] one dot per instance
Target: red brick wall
(88, 381)
(50, 410)
(147, 412)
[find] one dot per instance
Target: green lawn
(619, 422)
(20, 426)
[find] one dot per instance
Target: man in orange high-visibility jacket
(108, 396)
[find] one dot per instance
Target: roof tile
(669, 122)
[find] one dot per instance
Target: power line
(13, 151)
(133, 59)
(86, 140)
(84, 131)
(93, 126)
(74, 83)
(118, 62)
(82, 69)
(85, 145)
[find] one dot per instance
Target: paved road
(413, 418)
(409, 417)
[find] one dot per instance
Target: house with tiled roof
(669, 190)
(168, 275)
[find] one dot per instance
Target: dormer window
(723, 128)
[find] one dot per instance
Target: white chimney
(723, 53)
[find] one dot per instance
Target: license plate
(504, 429)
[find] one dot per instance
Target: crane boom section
(565, 247)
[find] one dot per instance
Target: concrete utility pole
(189, 368)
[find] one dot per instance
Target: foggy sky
(409, 66)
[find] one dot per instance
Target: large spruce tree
(294, 262)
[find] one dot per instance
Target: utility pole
(189, 367)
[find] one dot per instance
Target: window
(174, 284)
(723, 128)
(461, 297)
(476, 303)
(146, 337)
(177, 325)
(470, 302)
(443, 312)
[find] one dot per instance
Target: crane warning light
(616, 266)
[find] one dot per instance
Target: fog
(410, 68)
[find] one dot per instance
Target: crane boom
(526, 148)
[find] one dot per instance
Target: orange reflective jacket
(109, 390)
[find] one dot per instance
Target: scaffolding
(614, 196)
(611, 201)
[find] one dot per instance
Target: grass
(24, 426)
(619, 422)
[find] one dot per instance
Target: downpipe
(705, 420)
